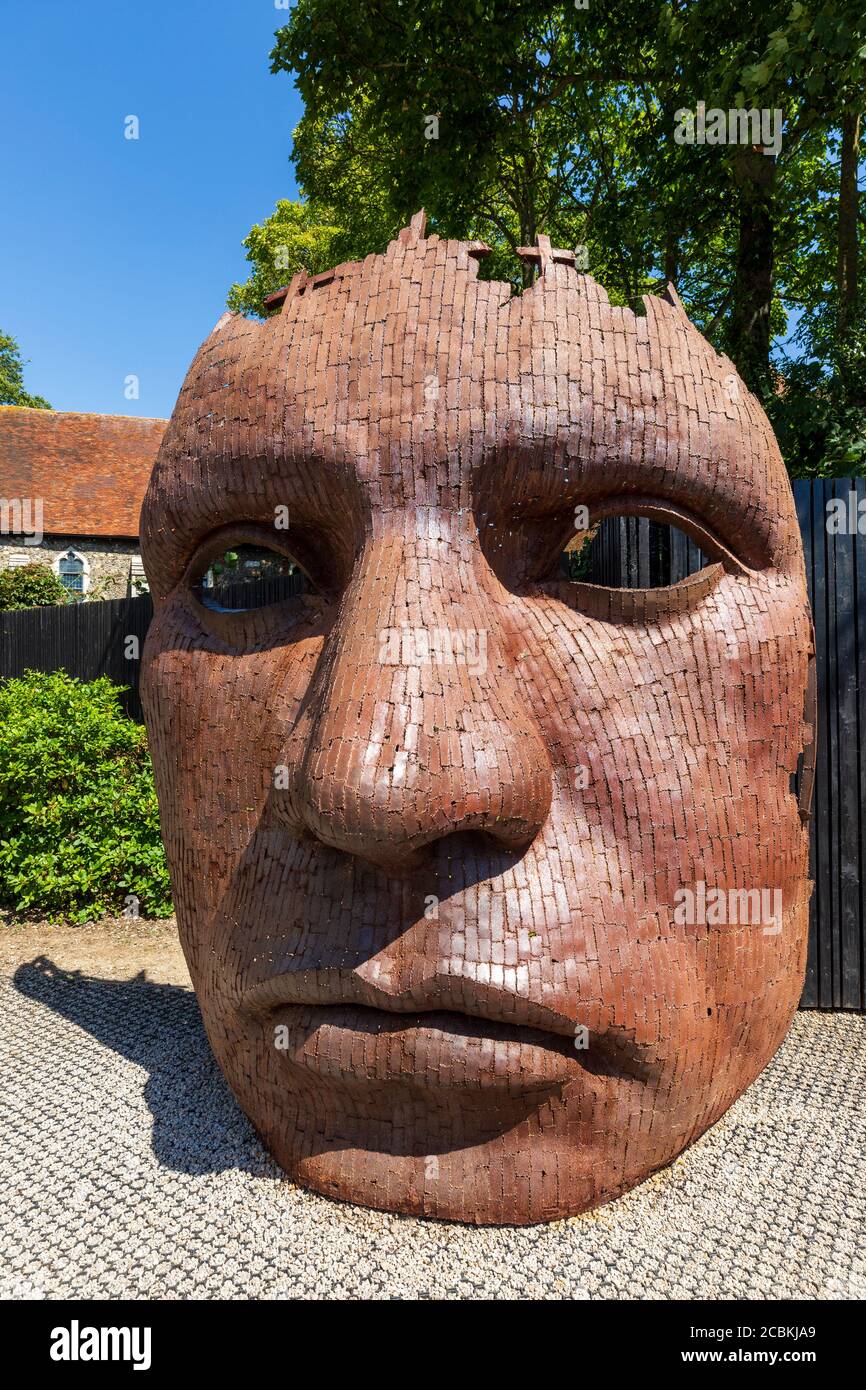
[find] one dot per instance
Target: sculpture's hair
(661, 339)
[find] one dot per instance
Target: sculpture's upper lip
(612, 1048)
(437, 991)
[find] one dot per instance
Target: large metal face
(432, 828)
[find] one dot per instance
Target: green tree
(508, 119)
(12, 377)
(500, 119)
(79, 823)
(296, 236)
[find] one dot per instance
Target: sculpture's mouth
(349, 1030)
(353, 1043)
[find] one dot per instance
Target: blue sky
(116, 255)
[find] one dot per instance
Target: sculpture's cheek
(216, 722)
(674, 745)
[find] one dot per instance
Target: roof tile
(90, 470)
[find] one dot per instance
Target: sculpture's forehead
(358, 341)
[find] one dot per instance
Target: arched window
(72, 570)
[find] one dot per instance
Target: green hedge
(79, 823)
(30, 586)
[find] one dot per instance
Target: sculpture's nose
(415, 726)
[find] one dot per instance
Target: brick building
(71, 488)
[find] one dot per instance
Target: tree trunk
(849, 199)
(749, 331)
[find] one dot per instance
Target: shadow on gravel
(197, 1125)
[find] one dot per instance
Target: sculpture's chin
(548, 1161)
(502, 1181)
(458, 1195)
(473, 1156)
(488, 1158)
(479, 1154)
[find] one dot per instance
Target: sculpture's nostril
(448, 855)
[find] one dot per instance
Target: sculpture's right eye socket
(247, 581)
(246, 576)
(627, 586)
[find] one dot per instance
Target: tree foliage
(296, 236)
(505, 120)
(79, 824)
(12, 377)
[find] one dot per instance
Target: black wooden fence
(836, 573)
(630, 552)
(106, 639)
(85, 639)
(92, 639)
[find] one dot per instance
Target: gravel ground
(128, 1171)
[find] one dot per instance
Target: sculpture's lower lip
(357, 1044)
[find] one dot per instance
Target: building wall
(110, 571)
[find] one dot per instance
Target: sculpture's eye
(631, 569)
(247, 576)
(640, 562)
(632, 552)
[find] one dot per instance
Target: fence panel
(85, 639)
(94, 639)
(836, 576)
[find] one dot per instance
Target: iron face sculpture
(467, 856)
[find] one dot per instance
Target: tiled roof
(90, 470)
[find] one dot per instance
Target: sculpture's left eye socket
(631, 560)
(247, 581)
